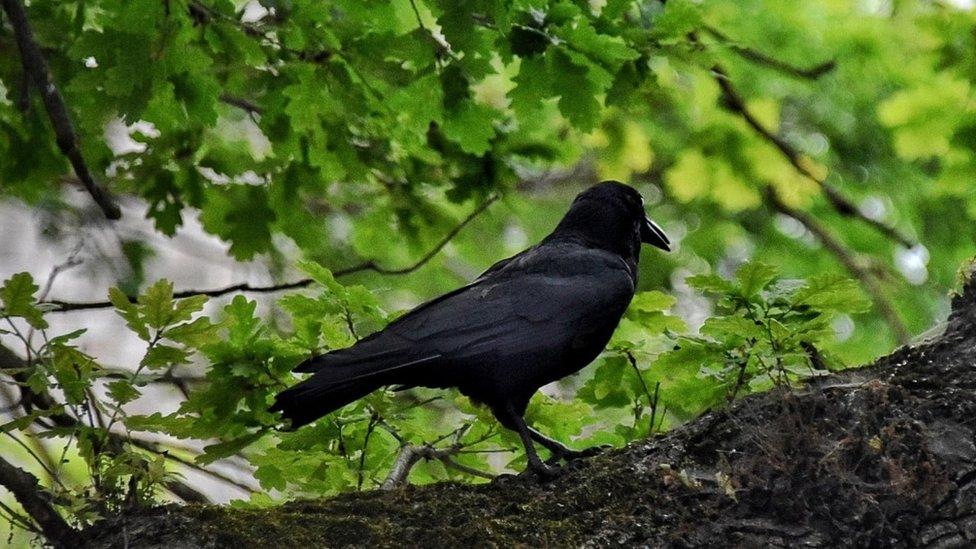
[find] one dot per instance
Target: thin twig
(416, 14)
(846, 258)
(349, 323)
(67, 138)
(18, 519)
(43, 401)
(362, 455)
(44, 463)
(243, 104)
(761, 58)
(651, 401)
(69, 263)
(411, 454)
(840, 203)
(370, 265)
(406, 459)
(451, 464)
(155, 449)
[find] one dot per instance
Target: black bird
(528, 320)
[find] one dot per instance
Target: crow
(528, 320)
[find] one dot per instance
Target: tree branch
(411, 454)
(761, 58)
(26, 488)
(408, 457)
(193, 496)
(35, 66)
(846, 258)
(370, 265)
(840, 203)
(243, 104)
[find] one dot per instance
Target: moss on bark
(878, 456)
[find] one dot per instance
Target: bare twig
(451, 464)
(41, 457)
(761, 58)
(69, 263)
(26, 488)
(35, 66)
(800, 163)
(18, 519)
(408, 457)
(243, 104)
(847, 259)
(362, 455)
(651, 400)
(411, 454)
(370, 265)
(197, 497)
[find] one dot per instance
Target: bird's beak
(652, 234)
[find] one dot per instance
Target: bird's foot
(544, 471)
(504, 479)
(567, 454)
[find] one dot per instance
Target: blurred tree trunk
(878, 456)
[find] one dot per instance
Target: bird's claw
(572, 455)
(544, 471)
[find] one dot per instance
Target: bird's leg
(559, 450)
(525, 433)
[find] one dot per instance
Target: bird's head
(612, 215)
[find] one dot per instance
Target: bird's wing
(547, 298)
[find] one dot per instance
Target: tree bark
(883, 455)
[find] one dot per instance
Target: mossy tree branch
(890, 444)
(26, 488)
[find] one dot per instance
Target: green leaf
(122, 391)
(243, 326)
(732, 328)
(240, 214)
(832, 292)
(186, 307)
(157, 304)
(610, 51)
(755, 276)
(130, 312)
(271, 477)
(227, 448)
(195, 333)
(17, 296)
(710, 283)
(652, 301)
(577, 95)
(679, 18)
(163, 356)
(606, 388)
(471, 127)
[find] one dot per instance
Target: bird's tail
(340, 377)
(313, 398)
